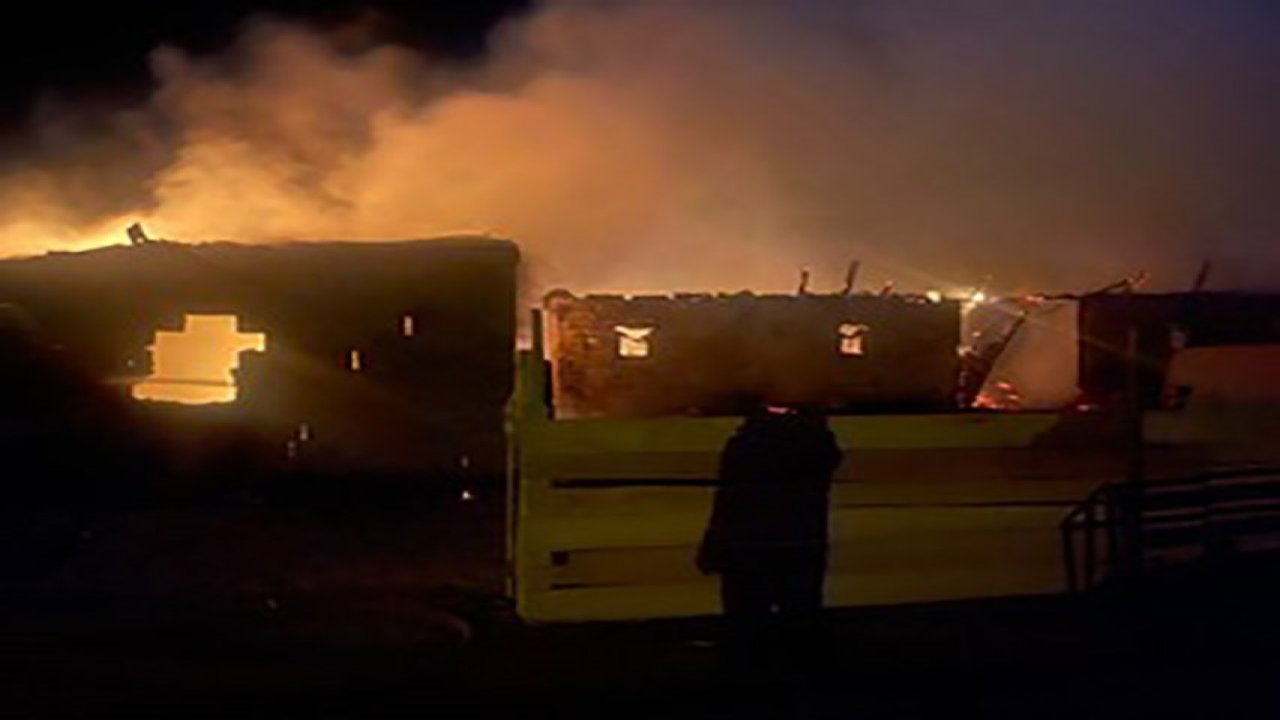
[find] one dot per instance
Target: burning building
(388, 357)
(623, 405)
(700, 354)
(1159, 328)
(398, 358)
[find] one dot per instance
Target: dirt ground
(252, 609)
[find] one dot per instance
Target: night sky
(99, 51)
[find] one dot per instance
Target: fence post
(1129, 504)
(1113, 531)
(1090, 545)
(1069, 555)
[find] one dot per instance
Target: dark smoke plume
(720, 145)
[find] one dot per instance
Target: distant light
(974, 299)
(406, 326)
(467, 496)
(354, 361)
(934, 295)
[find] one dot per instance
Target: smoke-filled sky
(708, 144)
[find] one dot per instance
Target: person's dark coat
(774, 481)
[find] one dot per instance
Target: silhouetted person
(767, 537)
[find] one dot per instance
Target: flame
(999, 395)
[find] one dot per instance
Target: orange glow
(999, 395)
(196, 366)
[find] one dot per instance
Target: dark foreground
(376, 612)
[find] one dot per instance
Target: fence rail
(1115, 532)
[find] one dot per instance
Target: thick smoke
(718, 145)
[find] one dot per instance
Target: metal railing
(1115, 531)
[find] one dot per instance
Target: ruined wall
(417, 401)
(1165, 324)
(702, 354)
